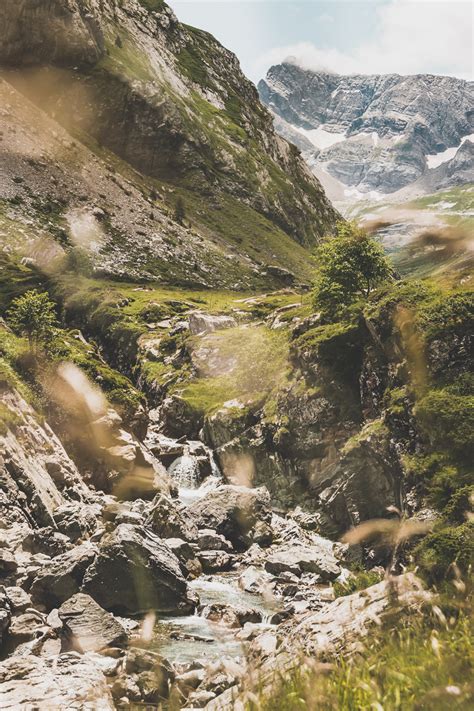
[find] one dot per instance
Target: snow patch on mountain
(436, 159)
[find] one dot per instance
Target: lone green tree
(179, 211)
(33, 315)
(350, 266)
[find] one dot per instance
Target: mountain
(127, 111)
(376, 132)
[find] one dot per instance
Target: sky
(344, 36)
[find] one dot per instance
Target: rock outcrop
(55, 32)
(36, 474)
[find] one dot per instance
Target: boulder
(166, 520)
(18, 598)
(208, 539)
(229, 615)
(179, 418)
(154, 685)
(254, 580)
(136, 571)
(232, 511)
(58, 580)
(47, 540)
(67, 681)
(25, 627)
(181, 549)
(298, 559)
(87, 627)
(201, 323)
(340, 625)
(8, 563)
(75, 520)
(214, 561)
(139, 660)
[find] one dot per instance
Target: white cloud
(412, 36)
(326, 17)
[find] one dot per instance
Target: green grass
(411, 667)
(126, 58)
(255, 364)
(360, 580)
(8, 418)
(462, 197)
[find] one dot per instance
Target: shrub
(33, 315)
(448, 422)
(360, 581)
(444, 547)
(459, 505)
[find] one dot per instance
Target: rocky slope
(132, 110)
(374, 133)
(96, 534)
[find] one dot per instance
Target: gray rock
(61, 682)
(342, 624)
(75, 520)
(61, 578)
(136, 571)
(201, 323)
(254, 580)
(87, 627)
(232, 511)
(47, 540)
(18, 598)
(139, 660)
(215, 561)
(8, 563)
(5, 614)
(166, 520)
(25, 627)
(232, 616)
(200, 699)
(207, 539)
(298, 559)
(181, 549)
(154, 685)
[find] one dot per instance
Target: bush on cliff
(350, 266)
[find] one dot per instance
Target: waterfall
(185, 470)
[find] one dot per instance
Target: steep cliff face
(36, 31)
(170, 101)
(372, 132)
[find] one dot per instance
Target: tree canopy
(33, 315)
(350, 266)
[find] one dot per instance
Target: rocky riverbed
(109, 600)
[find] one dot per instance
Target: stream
(193, 637)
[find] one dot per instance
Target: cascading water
(184, 639)
(185, 471)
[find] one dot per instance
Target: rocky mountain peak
(373, 132)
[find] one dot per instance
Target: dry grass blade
(371, 529)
